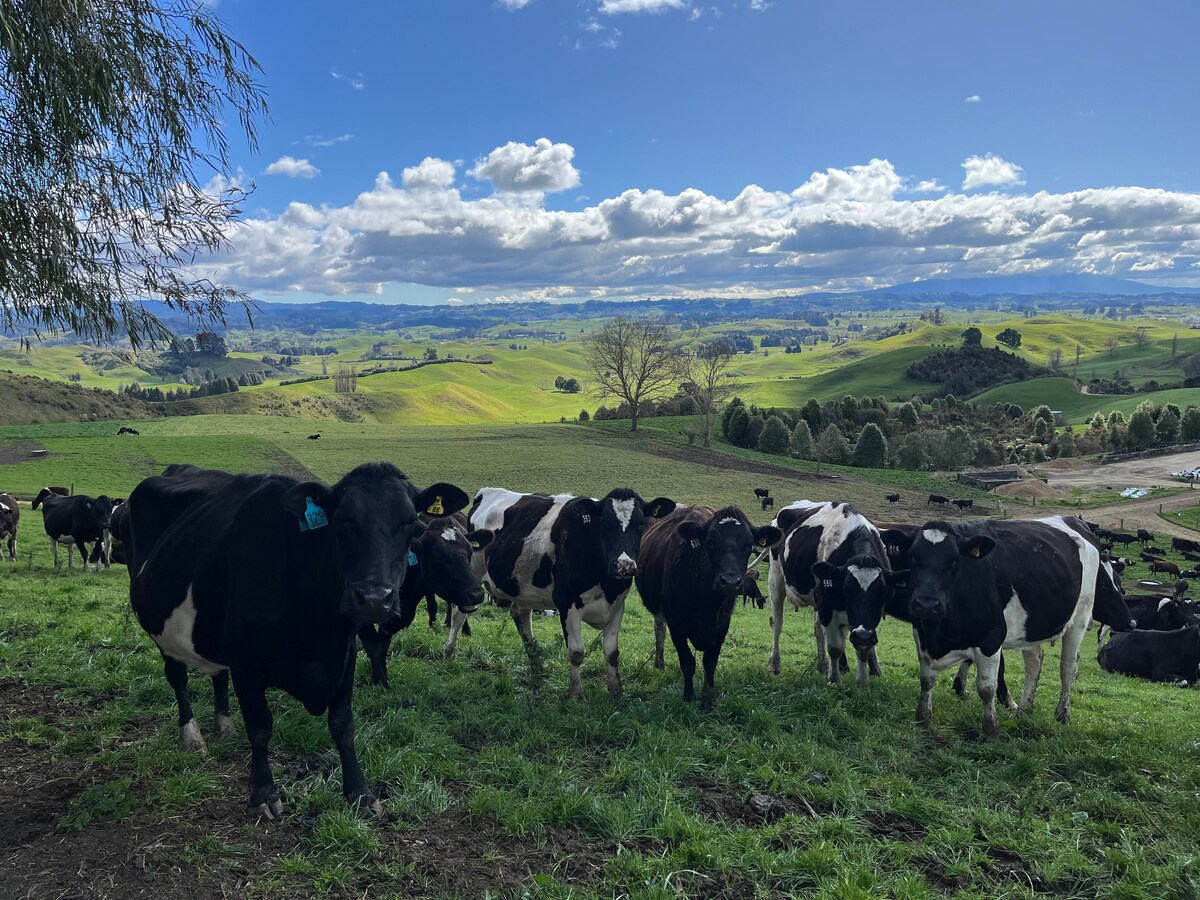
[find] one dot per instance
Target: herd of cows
(271, 582)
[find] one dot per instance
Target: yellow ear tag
(435, 508)
(975, 552)
(762, 542)
(475, 545)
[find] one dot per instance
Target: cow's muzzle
(624, 568)
(374, 602)
(923, 609)
(863, 639)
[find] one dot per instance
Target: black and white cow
(1157, 655)
(691, 570)
(74, 521)
(439, 565)
(976, 588)
(266, 580)
(831, 557)
(575, 555)
(10, 518)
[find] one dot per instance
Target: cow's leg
(376, 643)
(70, 557)
(660, 636)
(819, 636)
(458, 619)
(612, 653)
(12, 547)
(986, 669)
(1033, 672)
(1069, 665)
(835, 646)
(873, 662)
(687, 663)
(341, 729)
(431, 608)
(220, 686)
(928, 681)
(777, 599)
(708, 693)
(54, 550)
(1002, 693)
(523, 619)
(256, 715)
(190, 737)
(960, 678)
(572, 624)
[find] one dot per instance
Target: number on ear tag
(695, 544)
(435, 508)
(826, 583)
(314, 516)
(587, 518)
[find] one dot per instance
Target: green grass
(1060, 394)
(497, 783)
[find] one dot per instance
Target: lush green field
(498, 786)
(1060, 394)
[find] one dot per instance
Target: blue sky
(565, 149)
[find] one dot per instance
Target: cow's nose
(925, 606)
(373, 596)
(863, 638)
(727, 580)
(624, 567)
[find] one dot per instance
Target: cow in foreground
(439, 565)
(691, 569)
(75, 521)
(10, 517)
(266, 580)
(977, 588)
(575, 555)
(832, 558)
(1156, 655)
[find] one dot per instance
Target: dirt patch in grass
(721, 803)
(19, 451)
(894, 827)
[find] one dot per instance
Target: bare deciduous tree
(112, 115)
(1111, 343)
(1055, 358)
(630, 359)
(704, 375)
(1141, 335)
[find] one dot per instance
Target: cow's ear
(310, 502)
(977, 547)
(480, 539)
(895, 541)
(441, 499)
(827, 574)
(692, 533)
(766, 536)
(897, 580)
(659, 507)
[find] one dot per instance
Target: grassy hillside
(1060, 393)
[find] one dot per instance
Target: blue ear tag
(412, 558)
(314, 516)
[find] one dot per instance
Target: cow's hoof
(225, 725)
(1063, 716)
(615, 688)
(190, 738)
(370, 807)
(659, 664)
(271, 810)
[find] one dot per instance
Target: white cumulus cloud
(431, 173)
(539, 168)
(877, 180)
(617, 7)
(292, 168)
(988, 169)
(974, 98)
(511, 5)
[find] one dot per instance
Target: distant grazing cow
(762, 492)
(691, 569)
(439, 563)
(1156, 655)
(74, 521)
(266, 580)
(1190, 556)
(972, 592)
(1124, 540)
(892, 499)
(575, 555)
(1144, 536)
(10, 516)
(1154, 551)
(751, 592)
(963, 504)
(768, 503)
(1189, 573)
(831, 558)
(314, 437)
(937, 499)
(1161, 565)
(126, 430)
(1183, 544)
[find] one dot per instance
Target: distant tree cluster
(567, 385)
(225, 385)
(969, 369)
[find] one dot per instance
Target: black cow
(1161, 613)
(768, 503)
(74, 521)
(937, 499)
(314, 437)
(892, 499)
(963, 504)
(1183, 544)
(762, 492)
(1154, 551)
(1189, 555)
(1156, 655)
(266, 580)
(975, 588)
(126, 430)
(1118, 537)
(832, 558)
(438, 564)
(751, 592)
(575, 555)
(10, 517)
(1144, 536)
(115, 549)
(691, 569)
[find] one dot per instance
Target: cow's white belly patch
(597, 611)
(176, 638)
(1015, 622)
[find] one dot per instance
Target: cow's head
(615, 523)
(934, 559)
(371, 518)
(100, 509)
(728, 539)
(862, 587)
(444, 553)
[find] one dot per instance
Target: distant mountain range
(1030, 284)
